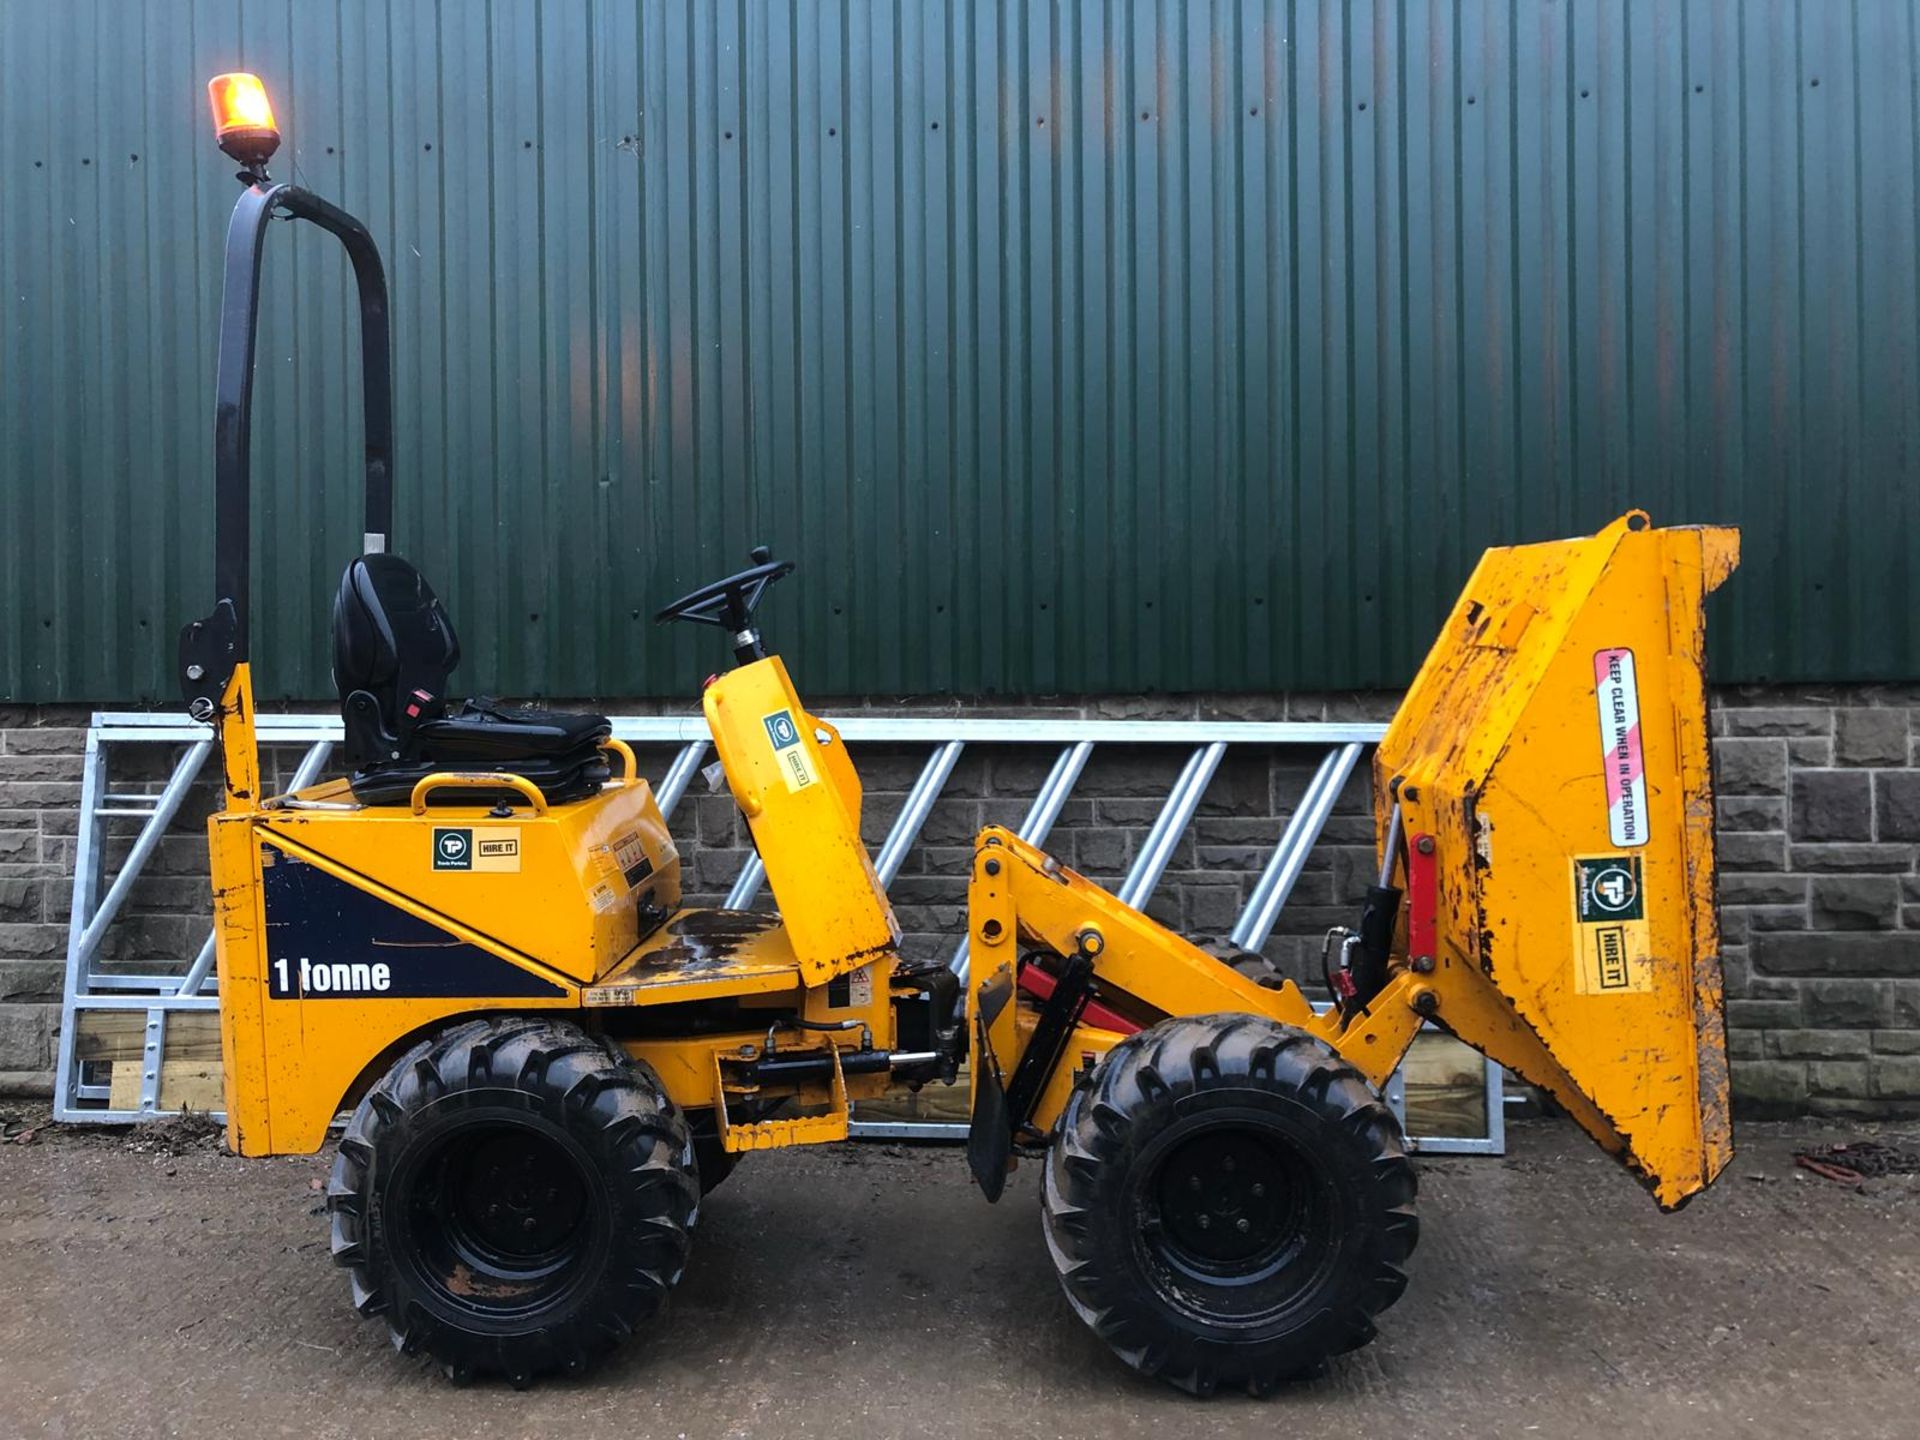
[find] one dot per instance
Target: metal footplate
(831, 1123)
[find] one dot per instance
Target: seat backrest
(393, 651)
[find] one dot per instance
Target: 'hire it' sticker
(1621, 762)
(1611, 941)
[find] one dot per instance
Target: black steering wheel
(730, 603)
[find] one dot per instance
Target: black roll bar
(211, 648)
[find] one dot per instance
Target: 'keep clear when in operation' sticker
(796, 766)
(1611, 940)
(1621, 763)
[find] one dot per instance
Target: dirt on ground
(155, 1286)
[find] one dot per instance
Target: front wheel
(1228, 1203)
(513, 1197)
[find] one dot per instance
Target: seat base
(557, 751)
(483, 731)
(562, 780)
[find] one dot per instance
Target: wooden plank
(192, 1085)
(184, 1085)
(118, 1035)
(946, 1104)
(124, 1091)
(1446, 1083)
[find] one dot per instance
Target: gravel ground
(157, 1286)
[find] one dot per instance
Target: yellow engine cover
(1555, 748)
(566, 888)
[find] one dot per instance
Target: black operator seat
(393, 649)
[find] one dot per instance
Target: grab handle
(481, 780)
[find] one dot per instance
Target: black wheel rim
(503, 1217)
(1237, 1222)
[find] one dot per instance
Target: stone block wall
(40, 757)
(1819, 826)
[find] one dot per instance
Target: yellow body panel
(238, 961)
(291, 1059)
(1554, 747)
(566, 887)
(792, 780)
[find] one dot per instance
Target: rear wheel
(513, 1197)
(1250, 963)
(1228, 1203)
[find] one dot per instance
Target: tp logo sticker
(452, 849)
(1622, 765)
(1612, 940)
(796, 767)
(1607, 887)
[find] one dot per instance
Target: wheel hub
(500, 1216)
(1227, 1202)
(515, 1196)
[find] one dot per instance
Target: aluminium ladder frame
(89, 988)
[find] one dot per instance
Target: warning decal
(1611, 941)
(1625, 771)
(623, 864)
(796, 766)
(630, 855)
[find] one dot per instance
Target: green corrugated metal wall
(1069, 347)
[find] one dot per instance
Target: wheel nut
(1258, 1190)
(527, 1224)
(1227, 1163)
(1242, 1226)
(1193, 1182)
(1206, 1222)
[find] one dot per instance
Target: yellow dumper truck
(475, 944)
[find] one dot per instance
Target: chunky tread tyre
(408, 1181)
(1250, 963)
(1188, 1093)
